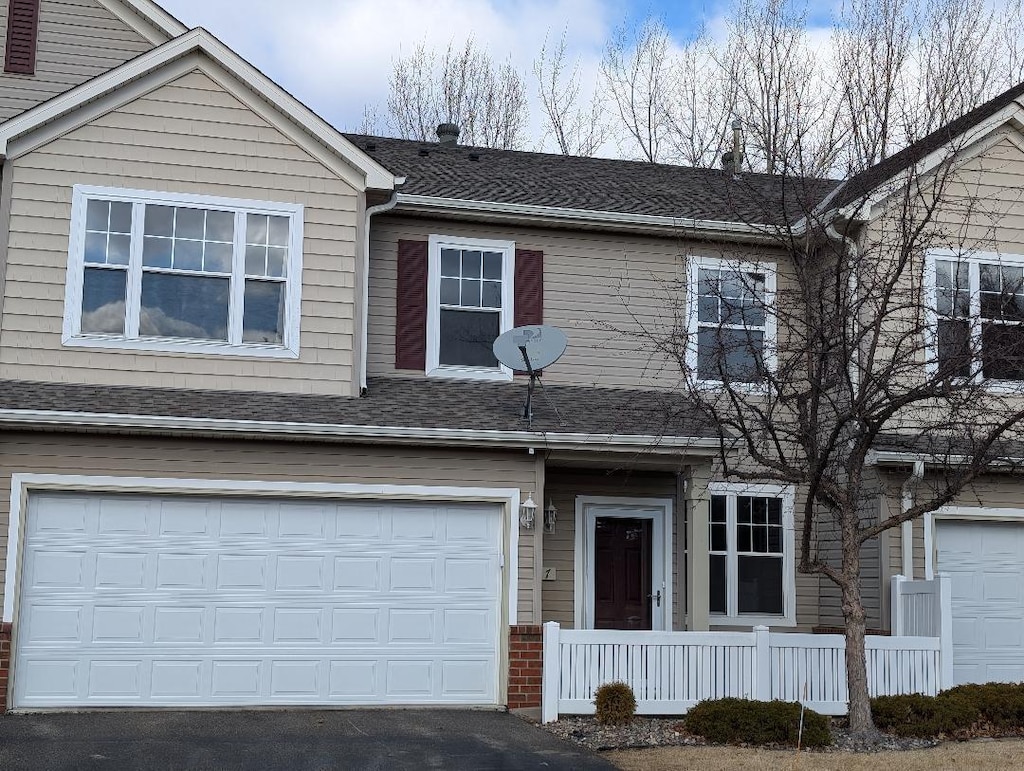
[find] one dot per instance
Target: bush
(614, 703)
(962, 712)
(1000, 705)
(741, 721)
(923, 716)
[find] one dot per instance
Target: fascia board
(375, 175)
(441, 205)
(278, 429)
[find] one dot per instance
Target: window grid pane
(187, 239)
(478, 276)
(755, 553)
(187, 259)
(731, 324)
(999, 340)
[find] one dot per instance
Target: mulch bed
(668, 731)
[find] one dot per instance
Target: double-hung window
(731, 328)
(183, 273)
(978, 304)
(470, 298)
(751, 562)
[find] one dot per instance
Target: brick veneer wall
(525, 665)
(5, 663)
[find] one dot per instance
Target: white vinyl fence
(669, 672)
(925, 609)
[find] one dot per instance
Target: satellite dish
(542, 344)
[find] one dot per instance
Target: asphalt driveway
(286, 739)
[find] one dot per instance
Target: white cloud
(336, 56)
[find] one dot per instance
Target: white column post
(551, 676)
(945, 631)
(763, 663)
(896, 621)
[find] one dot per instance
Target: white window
(751, 563)
(978, 305)
(731, 329)
(470, 303)
(171, 272)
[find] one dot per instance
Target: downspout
(853, 286)
(907, 495)
(365, 289)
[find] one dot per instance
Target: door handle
(656, 597)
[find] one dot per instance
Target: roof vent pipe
(448, 134)
(733, 160)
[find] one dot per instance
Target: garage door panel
(985, 561)
(236, 602)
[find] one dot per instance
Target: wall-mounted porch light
(550, 517)
(527, 512)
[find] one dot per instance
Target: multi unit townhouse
(255, 448)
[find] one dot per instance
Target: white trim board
(151, 13)
(373, 174)
(649, 444)
(22, 484)
(588, 509)
(506, 313)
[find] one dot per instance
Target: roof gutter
(560, 215)
(330, 431)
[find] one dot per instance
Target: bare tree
(703, 98)
(790, 109)
(836, 338)
(487, 100)
(874, 44)
(636, 73)
(577, 128)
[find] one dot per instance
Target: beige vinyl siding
(189, 136)
(95, 455)
(562, 487)
(78, 40)
(601, 289)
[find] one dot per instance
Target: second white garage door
(179, 601)
(985, 561)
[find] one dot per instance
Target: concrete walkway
(286, 739)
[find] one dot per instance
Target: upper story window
(979, 312)
(183, 273)
(751, 554)
(469, 303)
(731, 327)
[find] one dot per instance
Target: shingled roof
(391, 401)
(594, 184)
(864, 182)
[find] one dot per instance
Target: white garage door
(986, 563)
(206, 602)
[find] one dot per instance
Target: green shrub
(999, 705)
(741, 721)
(924, 716)
(615, 704)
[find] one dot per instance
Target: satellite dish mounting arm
(528, 409)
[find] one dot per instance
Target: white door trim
(23, 484)
(659, 511)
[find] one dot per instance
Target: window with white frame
(979, 314)
(470, 298)
(174, 272)
(731, 327)
(751, 553)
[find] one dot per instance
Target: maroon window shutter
(22, 33)
(529, 287)
(411, 306)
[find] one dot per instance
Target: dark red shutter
(22, 32)
(529, 287)
(411, 306)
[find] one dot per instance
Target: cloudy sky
(336, 55)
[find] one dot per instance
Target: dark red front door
(622, 573)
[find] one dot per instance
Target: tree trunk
(856, 661)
